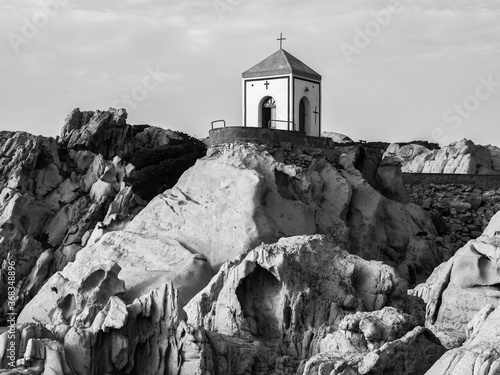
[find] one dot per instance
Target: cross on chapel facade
(281, 92)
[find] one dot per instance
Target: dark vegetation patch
(159, 168)
(429, 145)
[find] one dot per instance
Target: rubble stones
(465, 210)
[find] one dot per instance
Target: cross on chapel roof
(281, 39)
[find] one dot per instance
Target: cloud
(94, 51)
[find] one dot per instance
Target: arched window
(270, 103)
(304, 114)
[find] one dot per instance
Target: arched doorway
(304, 114)
(268, 112)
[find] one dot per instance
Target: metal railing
(213, 122)
(268, 124)
(288, 122)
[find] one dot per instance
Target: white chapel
(281, 92)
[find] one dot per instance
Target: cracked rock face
(57, 195)
(297, 282)
(101, 132)
(297, 305)
(74, 312)
(287, 307)
(89, 329)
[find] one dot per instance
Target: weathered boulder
(387, 230)
(230, 202)
(293, 300)
(459, 288)
(407, 154)
(74, 298)
(28, 163)
(276, 290)
(76, 311)
(411, 354)
(480, 354)
(101, 132)
(337, 137)
(148, 262)
(145, 136)
(97, 333)
(462, 157)
(368, 331)
(32, 349)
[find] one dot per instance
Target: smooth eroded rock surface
(461, 287)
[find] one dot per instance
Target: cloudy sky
(417, 69)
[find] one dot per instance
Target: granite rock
(480, 353)
(462, 157)
(459, 288)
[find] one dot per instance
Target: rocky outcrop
(286, 270)
(230, 202)
(462, 157)
(269, 311)
(413, 353)
(92, 331)
(57, 195)
(32, 347)
(275, 300)
(100, 132)
(337, 137)
(461, 287)
(259, 259)
(273, 307)
(480, 354)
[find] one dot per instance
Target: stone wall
(460, 211)
(297, 148)
(285, 152)
(234, 134)
(484, 181)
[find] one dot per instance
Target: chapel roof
(279, 63)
